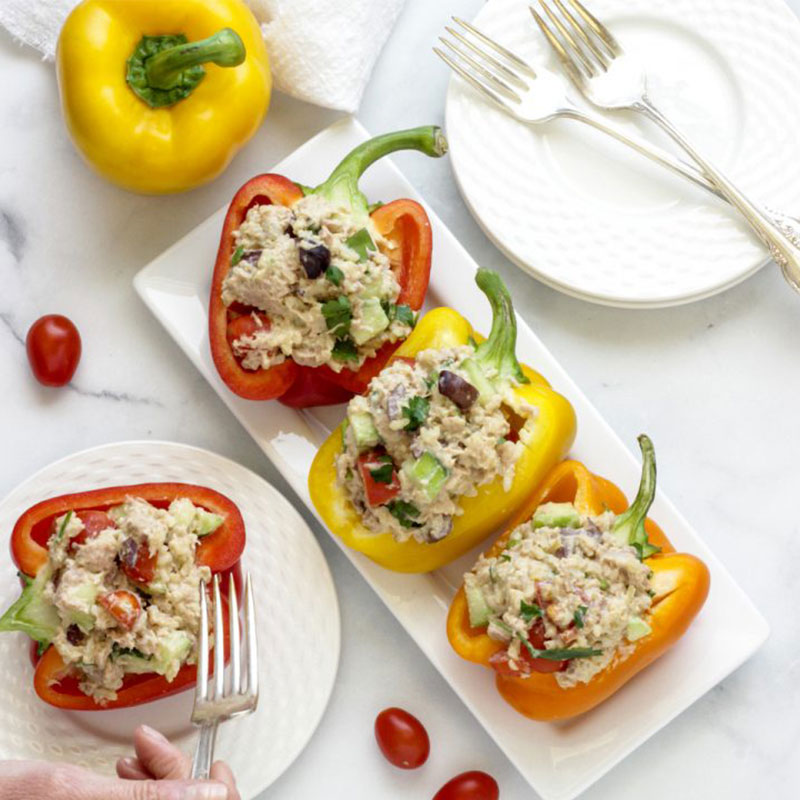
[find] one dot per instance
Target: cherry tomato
(93, 523)
(402, 738)
(54, 349)
(472, 785)
(245, 326)
(123, 606)
(136, 561)
(378, 492)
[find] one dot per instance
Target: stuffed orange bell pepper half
(577, 596)
(111, 591)
(314, 289)
(444, 446)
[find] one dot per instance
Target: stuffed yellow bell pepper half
(446, 444)
(158, 95)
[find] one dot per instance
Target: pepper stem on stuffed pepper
(445, 443)
(342, 189)
(629, 526)
(313, 288)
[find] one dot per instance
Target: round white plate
(296, 609)
(586, 216)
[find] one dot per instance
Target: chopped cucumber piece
(182, 509)
(556, 515)
(78, 602)
(206, 522)
(479, 611)
(364, 430)
(31, 613)
(637, 629)
(373, 320)
(427, 473)
(373, 287)
(135, 662)
(173, 648)
(477, 377)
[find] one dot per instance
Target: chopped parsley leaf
(338, 315)
(334, 275)
(384, 473)
(345, 350)
(579, 616)
(405, 513)
(529, 611)
(361, 242)
(416, 412)
(237, 256)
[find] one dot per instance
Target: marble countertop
(715, 383)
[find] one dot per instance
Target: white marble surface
(716, 384)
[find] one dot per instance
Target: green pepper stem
(629, 526)
(341, 188)
(225, 48)
(498, 351)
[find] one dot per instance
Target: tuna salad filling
(124, 585)
(434, 428)
(564, 596)
(310, 282)
(420, 439)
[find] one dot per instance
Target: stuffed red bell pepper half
(111, 589)
(314, 289)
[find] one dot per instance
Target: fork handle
(204, 751)
(779, 236)
(643, 147)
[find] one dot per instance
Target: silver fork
(537, 96)
(612, 79)
(223, 700)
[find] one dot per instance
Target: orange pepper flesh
(539, 696)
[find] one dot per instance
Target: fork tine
(500, 86)
(250, 638)
(219, 644)
(585, 36)
(469, 78)
(602, 32)
(498, 48)
(508, 74)
(233, 624)
(571, 45)
(563, 56)
(202, 648)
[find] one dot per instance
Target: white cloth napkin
(321, 51)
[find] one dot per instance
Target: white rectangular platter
(559, 760)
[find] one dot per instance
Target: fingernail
(127, 762)
(152, 733)
(206, 791)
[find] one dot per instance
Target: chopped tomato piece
(526, 663)
(246, 326)
(137, 562)
(379, 476)
(123, 606)
(94, 522)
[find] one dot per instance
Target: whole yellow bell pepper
(139, 103)
(547, 437)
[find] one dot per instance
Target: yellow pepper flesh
(168, 149)
(548, 437)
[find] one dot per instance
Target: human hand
(158, 771)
